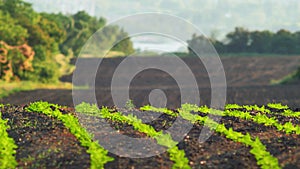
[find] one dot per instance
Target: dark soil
(248, 81)
(239, 71)
(260, 95)
(44, 142)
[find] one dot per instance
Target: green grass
(8, 88)
(229, 55)
(290, 78)
(253, 55)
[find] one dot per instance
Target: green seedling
(256, 108)
(158, 110)
(253, 112)
(278, 106)
(290, 113)
(203, 109)
(176, 155)
(265, 120)
(232, 106)
(259, 117)
(87, 108)
(264, 158)
(165, 140)
(97, 153)
(179, 157)
(247, 107)
(7, 147)
(288, 127)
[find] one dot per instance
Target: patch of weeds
(28, 122)
(27, 160)
(290, 78)
(129, 105)
(8, 88)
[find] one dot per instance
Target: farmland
(248, 80)
(247, 136)
(106, 87)
(46, 135)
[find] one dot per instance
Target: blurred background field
(40, 41)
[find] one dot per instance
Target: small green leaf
(278, 106)
(165, 140)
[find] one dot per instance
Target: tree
(27, 26)
(81, 26)
(297, 42)
(197, 44)
(239, 40)
(261, 41)
(242, 40)
(124, 45)
(15, 61)
(10, 31)
(283, 42)
(50, 36)
(79, 31)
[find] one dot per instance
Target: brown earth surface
(248, 82)
(287, 94)
(239, 71)
(44, 142)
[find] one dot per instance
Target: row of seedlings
(98, 155)
(176, 155)
(7, 146)
(263, 157)
(260, 117)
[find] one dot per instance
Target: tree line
(50, 38)
(242, 40)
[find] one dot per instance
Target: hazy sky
(210, 16)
